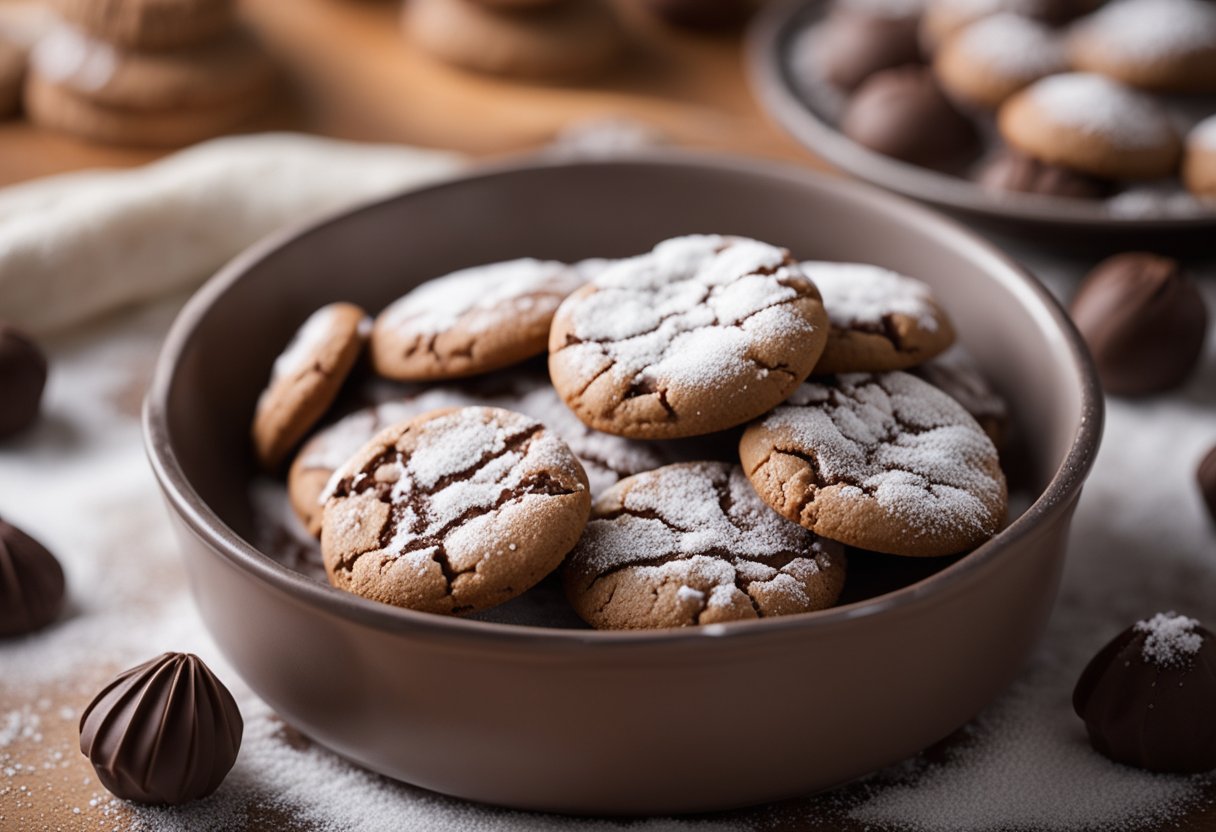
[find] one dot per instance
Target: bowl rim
(1057, 497)
(770, 81)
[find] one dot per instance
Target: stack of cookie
(741, 419)
(551, 40)
(147, 72)
(1082, 93)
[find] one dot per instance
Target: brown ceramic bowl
(1069, 223)
(617, 722)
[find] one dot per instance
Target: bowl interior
(219, 354)
(808, 114)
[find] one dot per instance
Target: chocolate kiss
(167, 731)
(31, 583)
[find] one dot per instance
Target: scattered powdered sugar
(1150, 30)
(1170, 639)
(482, 297)
(1203, 135)
(858, 295)
(901, 442)
(687, 314)
(1013, 45)
(309, 339)
(1100, 106)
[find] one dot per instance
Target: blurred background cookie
(149, 24)
(700, 14)
(851, 45)
(1092, 124)
(991, 59)
(12, 76)
(1199, 164)
(564, 40)
(1012, 171)
(944, 18)
(1167, 45)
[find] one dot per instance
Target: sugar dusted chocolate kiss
(22, 379)
(1149, 697)
(1206, 477)
(165, 732)
(31, 583)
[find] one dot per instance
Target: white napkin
(82, 244)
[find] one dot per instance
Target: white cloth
(79, 245)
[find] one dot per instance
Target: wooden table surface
(350, 73)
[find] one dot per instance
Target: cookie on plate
(471, 321)
(149, 24)
(884, 462)
(1199, 164)
(306, 379)
(1092, 124)
(454, 511)
(991, 59)
(219, 71)
(1012, 172)
(1164, 45)
(558, 41)
(880, 319)
(692, 544)
(701, 334)
(944, 18)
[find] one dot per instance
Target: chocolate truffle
(1206, 475)
(1149, 697)
(166, 732)
(903, 113)
(700, 14)
(1017, 172)
(31, 583)
(1144, 320)
(852, 46)
(22, 378)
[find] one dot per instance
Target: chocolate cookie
(850, 46)
(471, 321)
(559, 41)
(991, 59)
(883, 462)
(1199, 164)
(693, 544)
(231, 67)
(306, 379)
(1165, 45)
(703, 333)
(1092, 124)
(149, 24)
(12, 77)
(880, 319)
(56, 107)
(956, 374)
(454, 511)
(605, 458)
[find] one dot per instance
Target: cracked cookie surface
(471, 321)
(885, 462)
(306, 379)
(701, 334)
(454, 511)
(692, 543)
(605, 458)
(880, 319)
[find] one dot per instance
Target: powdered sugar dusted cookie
(993, 58)
(699, 335)
(1092, 124)
(471, 321)
(944, 18)
(1167, 45)
(693, 544)
(605, 458)
(880, 319)
(306, 378)
(1199, 165)
(956, 374)
(884, 462)
(454, 511)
